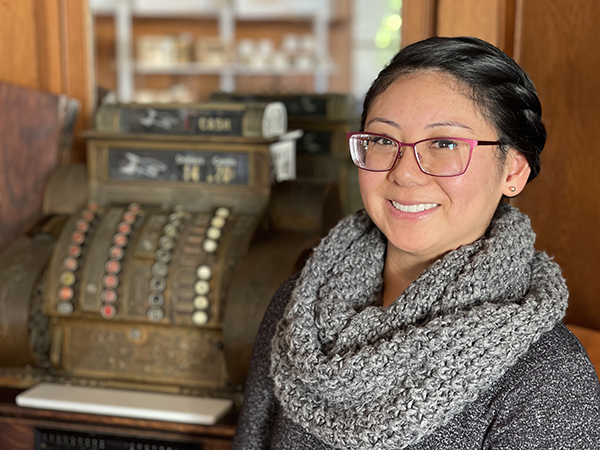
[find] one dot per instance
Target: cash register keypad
(71, 263)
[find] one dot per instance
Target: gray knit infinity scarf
(360, 376)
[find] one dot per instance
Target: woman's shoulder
(559, 350)
(550, 398)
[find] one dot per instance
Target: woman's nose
(406, 169)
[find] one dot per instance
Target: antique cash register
(154, 264)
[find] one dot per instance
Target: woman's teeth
(414, 208)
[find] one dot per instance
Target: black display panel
(181, 166)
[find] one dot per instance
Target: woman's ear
(517, 172)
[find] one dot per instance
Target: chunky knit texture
(360, 376)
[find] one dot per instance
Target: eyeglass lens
(439, 156)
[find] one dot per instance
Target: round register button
(108, 311)
(134, 207)
(222, 212)
(65, 308)
(67, 278)
(74, 250)
(163, 255)
(217, 222)
(160, 269)
(71, 263)
(116, 252)
(82, 225)
(78, 237)
(155, 314)
(170, 230)
(204, 272)
(201, 302)
(209, 246)
(65, 293)
(213, 233)
(88, 215)
(110, 281)
(124, 228)
(156, 299)
(120, 239)
(112, 266)
(200, 318)
(201, 287)
(108, 295)
(129, 217)
(166, 242)
(158, 284)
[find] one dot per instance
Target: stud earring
(512, 189)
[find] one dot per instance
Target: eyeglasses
(438, 157)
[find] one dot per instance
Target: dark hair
(498, 85)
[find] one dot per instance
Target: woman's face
(458, 209)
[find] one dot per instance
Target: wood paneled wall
(556, 42)
(45, 45)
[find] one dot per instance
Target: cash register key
(156, 299)
(65, 308)
(163, 255)
(82, 225)
(74, 250)
(120, 239)
(71, 263)
(166, 242)
(209, 246)
(108, 311)
(155, 314)
(158, 284)
(201, 302)
(217, 222)
(65, 293)
(124, 228)
(116, 252)
(160, 269)
(201, 287)
(67, 278)
(108, 295)
(110, 281)
(213, 233)
(200, 318)
(129, 217)
(170, 230)
(92, 205)
(222, 212)
(176, 223)
(112, 266)
(88, 215)
(174, 216)
(204, 272)
(134, 207)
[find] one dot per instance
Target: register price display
(167, 165)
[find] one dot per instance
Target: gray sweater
(549, 400)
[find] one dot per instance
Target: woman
(429, 321)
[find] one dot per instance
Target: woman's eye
(382, 141)
(444, 144)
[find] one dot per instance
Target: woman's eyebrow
(386, 121)
(449, 123)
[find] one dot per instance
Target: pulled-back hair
(502, 90)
